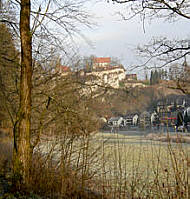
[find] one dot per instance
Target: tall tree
(38, 42)
(22, 149)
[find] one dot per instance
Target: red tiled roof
(102, 60)
(65, 68)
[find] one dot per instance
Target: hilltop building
(105, 73)
(101, 62)
(109, 76)
(102, 71)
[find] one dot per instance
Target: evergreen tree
(155, 76)
(151, 78)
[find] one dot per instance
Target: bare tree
(45, 28)
(22, 130)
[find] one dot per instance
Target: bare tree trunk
(22, 146)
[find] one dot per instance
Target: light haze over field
(117, 38)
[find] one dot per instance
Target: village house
(167, 109)
(130, 120)
(144, 119)
(115, 121)
(171, 105)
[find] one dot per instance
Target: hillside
(168, 88)
(122, 101)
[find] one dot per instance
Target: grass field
(128, 166)
(144, 168)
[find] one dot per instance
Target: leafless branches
(165, 51)
(160, 50)
(159, 8)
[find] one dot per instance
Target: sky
(113, 37)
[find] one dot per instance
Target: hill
(138, 99)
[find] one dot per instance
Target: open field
(130, 166)
(146, 168)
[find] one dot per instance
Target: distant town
(164, 114)
(109, 72)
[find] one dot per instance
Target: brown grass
(5, 153)
(108, 166)
(139, 168)
(52, 180)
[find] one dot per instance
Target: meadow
(127, 166)
(139, 168)
(104, 165)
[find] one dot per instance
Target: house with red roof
(101, 62)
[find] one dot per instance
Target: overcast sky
(116, 38)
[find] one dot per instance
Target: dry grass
(126, 166)
(109, 166)
(137, 168)
(51, 180)
(61, 169)
(5, 153)
(5, 163)
(50, 177)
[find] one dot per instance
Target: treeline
(157, 75)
